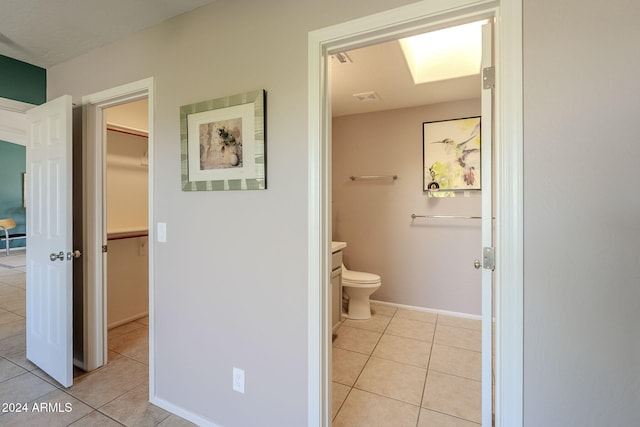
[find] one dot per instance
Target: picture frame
(223, 143)
(451, 155)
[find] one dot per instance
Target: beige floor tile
(393, 379)
(377, 323)
(460, 397)
(95, 419)
(14, 260)
(12, 328)
(123, 330)
(7, 290)
(421, 316)
(54, 409)
(382, 309)
(14, 303)
(24, 388)
(15, 279)
(458, 337)
(346, 365)
(456, 361)
(403, 350)
(408, 328)
(356, 339)
(133, 344)
(459, 322)
(362, 409)
(133, 408)
(436, 419)
(8, 317)
(105, 384)
(13, 348)
(9, 369)
(339, 393)
(175, 421)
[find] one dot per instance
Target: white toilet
(359, 286)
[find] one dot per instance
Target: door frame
(94, 213)
(508, 150)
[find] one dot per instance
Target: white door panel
(487, 231)
(49, 216)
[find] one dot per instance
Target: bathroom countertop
(337, 246)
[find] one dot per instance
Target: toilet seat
(359, 278)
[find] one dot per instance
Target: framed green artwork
(451, 155)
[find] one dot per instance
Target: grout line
(424, 387)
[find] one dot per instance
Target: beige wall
(231, 282)
(127, 202)
(424, 263)
(582, 213)
(127, 182)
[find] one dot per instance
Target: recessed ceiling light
(444, 54)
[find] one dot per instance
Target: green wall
(12, 167)
(22, 82)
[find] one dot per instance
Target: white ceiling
(48, 32)
(382, 68)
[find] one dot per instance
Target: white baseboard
(127, 320)
(430, 310)
(181, 412)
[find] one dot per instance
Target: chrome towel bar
(414, 216)
(354, 178)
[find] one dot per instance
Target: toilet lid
(359, 277)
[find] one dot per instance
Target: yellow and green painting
(451, 151)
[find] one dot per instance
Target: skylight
(444, 54)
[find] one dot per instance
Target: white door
(487, 226)
(49, 251)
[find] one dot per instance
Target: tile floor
(114, 395)
(407, 368)
(399, 368)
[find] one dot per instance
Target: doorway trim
(94, 213)
(508, 136)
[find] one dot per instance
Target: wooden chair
(6, 225)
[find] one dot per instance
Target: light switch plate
(162, 232)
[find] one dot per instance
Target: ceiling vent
(342, 57)
(367, 96)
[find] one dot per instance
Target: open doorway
(421, 243)
(96, 239)
(127, 206)
(385, 26)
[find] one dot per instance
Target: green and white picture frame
(451, 155)
(223, 143)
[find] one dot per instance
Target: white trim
(429, 310)
(13, 121)
(15, 106)
(94, 214)
(182, 413)
(126, 129)
(509, 269)
(509, 156)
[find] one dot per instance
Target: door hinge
(489, 77)
(489, 258)
(104, 249)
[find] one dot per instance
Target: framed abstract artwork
(222, 143)
(451, 155)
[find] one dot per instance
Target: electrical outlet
(238, 380)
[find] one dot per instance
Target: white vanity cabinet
(336, 283)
